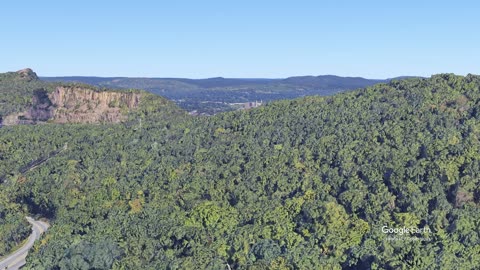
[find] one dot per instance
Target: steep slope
(26, 100)
(80, 105)
(16, 90)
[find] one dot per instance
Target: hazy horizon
(214, 77)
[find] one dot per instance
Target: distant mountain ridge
(319, 82)
(213, 95)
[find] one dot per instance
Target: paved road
(17, 259)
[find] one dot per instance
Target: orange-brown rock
(79, 105)
(76, 105)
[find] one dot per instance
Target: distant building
(249, 105)
(197, 113)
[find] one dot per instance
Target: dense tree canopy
(297, 184)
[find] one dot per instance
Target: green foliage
(17, 92)
(13, 226)
(300, 184)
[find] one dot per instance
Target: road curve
(17, 259)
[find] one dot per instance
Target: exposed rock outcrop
(27, 74)
(75, 105)
(12, 119)
(79, 105)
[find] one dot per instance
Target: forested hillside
(300, 184)
(16, 90)
(25, 99)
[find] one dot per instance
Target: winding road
(17, 259)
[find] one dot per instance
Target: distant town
(235, 106)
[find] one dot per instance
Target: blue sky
(269, 39)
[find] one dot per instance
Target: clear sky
(268, 39)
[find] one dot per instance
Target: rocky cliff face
(76, 105)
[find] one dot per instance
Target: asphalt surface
(17, 259)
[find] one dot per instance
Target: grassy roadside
(17, 247)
